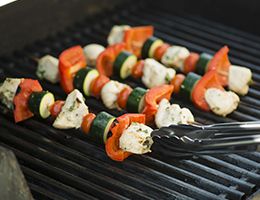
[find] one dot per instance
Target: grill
(64, 165)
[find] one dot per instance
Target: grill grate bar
(49, 184)
(41, 193)
(215, 175)
(226, 29)
(233, 170)
(212, 35)
(242, 162)
(191, 178)
(255, 156)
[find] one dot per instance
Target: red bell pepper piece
(153, 97)
(135, 38)
(220, 63)
(22, 111)
(112, 144)
(70, 62)
(105, 60)
(209, 80)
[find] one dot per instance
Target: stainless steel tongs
(208, 139)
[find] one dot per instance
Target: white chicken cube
(72, 112)
(175, 57)
(48, 69)
(8, 90)
(221, 102)
(168, 114)
(155, 74)
(91, 52)
(136, 139)
(239, 79)
(116, 34)
(110, 92)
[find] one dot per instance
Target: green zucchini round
(202, 64)
(188, 84)
(135, 101)
(101, 127)
(124, 63)
(83, 79)
(150, 46)
(40, 102)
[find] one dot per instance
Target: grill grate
(63, 165)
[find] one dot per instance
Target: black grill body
(65, 165)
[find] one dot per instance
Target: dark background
(25, 21)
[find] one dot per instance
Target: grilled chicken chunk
(116, 34)
(155, 74)
(221, 102)
(168, 114)
(175, 56)
(8, 90)
(239, 79)
(91, 52)
(72, 112)
(110, 92)
(136, 139)
(48, 69)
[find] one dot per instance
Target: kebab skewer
(26, 98)
(237, 78)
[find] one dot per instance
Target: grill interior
(64, 165)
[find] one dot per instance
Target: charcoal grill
(65, 165)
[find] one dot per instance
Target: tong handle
(234, 141)
(233, 126)
(210, 139)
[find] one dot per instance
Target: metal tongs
(184, 140)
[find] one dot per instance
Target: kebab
(74, 74)
(206, 92)
(237, 78)
(26, 98)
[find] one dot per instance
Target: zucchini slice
(150, 46)
(101, 127)
(135, 101)
(188, 84)
(202, 64)
(40, 102)
(83, 79)
(124, 63)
